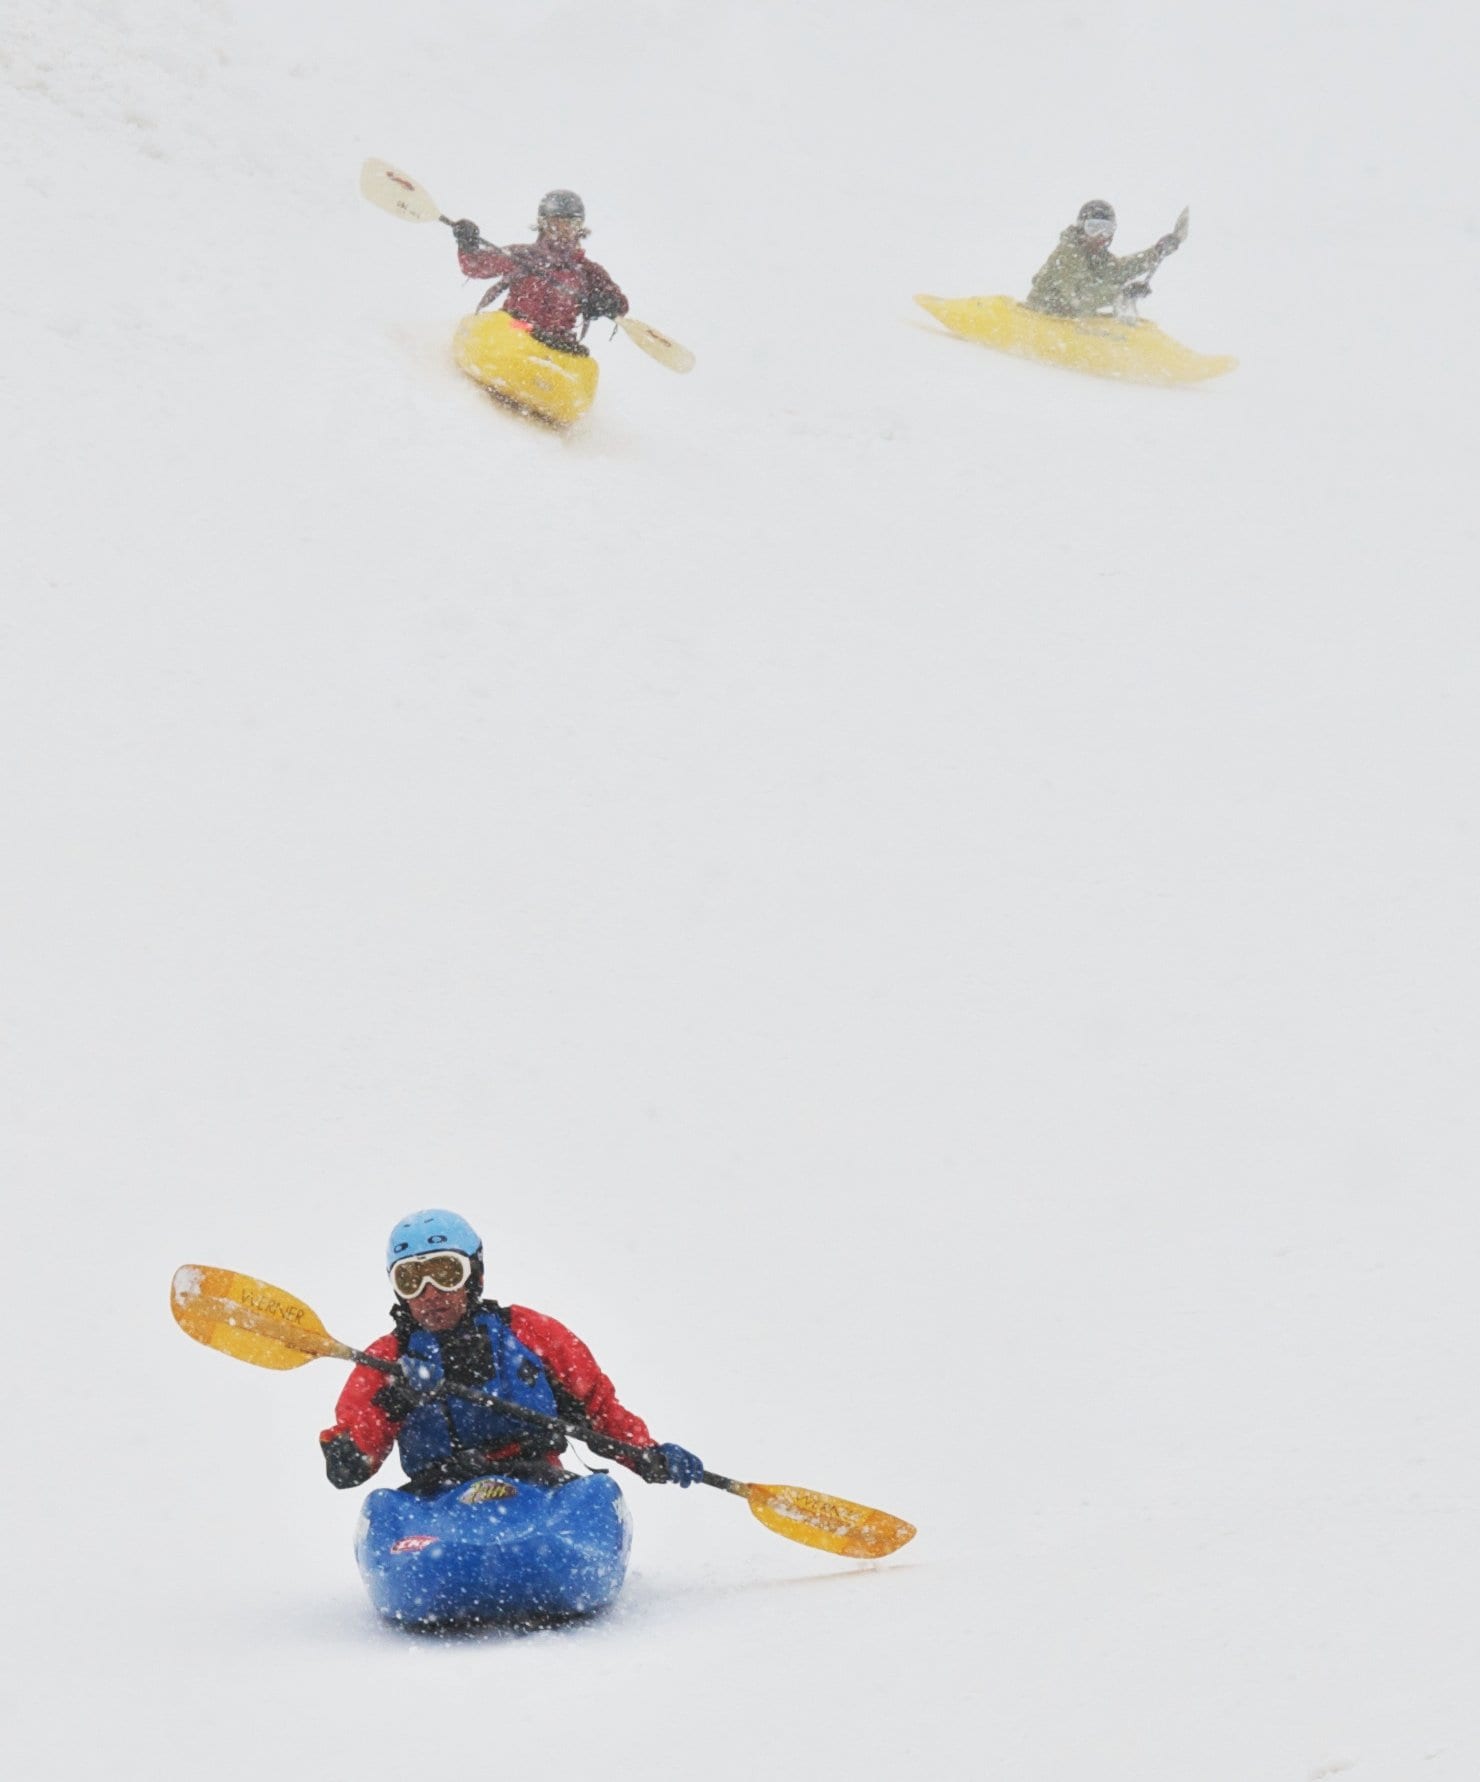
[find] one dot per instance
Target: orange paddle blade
(831, 1523)
(249, 1319)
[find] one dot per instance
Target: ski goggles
(444, 1269)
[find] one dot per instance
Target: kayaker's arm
(604, 297)
(593, 1412)
(574, 1372)
(1130, 267)
(1054, 287)
(479, 258)
(364, 1431)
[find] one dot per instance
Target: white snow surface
(925, 905)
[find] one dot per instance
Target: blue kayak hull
(494, 1550)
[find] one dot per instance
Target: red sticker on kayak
(413, 1543)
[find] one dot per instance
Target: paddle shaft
(793, 1521)
(608, 1447)
(254, 1321)
(326, 1347)
(721, 1483)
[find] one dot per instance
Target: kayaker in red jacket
(446, 1336)
(547, 283)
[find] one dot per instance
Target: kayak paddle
(391, 190)
(253, 1321)
(655, 345)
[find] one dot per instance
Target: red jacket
(555, 289)
(570, 1364)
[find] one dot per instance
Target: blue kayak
(495, 1549)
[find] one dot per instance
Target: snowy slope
(924, 905)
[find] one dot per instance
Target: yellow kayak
(1136, 351)
(502, 355)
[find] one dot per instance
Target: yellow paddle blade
(249, 1319)
(831, 1523)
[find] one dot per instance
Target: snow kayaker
(548, 284)
(447, 1335)
(1081, 277)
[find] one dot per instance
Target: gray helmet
(1096, 211)
(562, 204)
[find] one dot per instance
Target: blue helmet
(426, 1232)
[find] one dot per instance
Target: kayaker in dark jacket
(445, 1335)
(548, 283)
(1081, 277)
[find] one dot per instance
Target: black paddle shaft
(608, 1447)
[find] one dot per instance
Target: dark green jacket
(1080, 276)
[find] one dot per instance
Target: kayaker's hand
(345, 1465)
(1168, 245)
(398, 1398)
(467, 233)
(668, 1464)
(683, 1468)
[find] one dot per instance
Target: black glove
(1168, 245)
(467, 1355)
(345, 1464)
(398, 1398)
(468, 234)
(650, 1465)
(599, 307)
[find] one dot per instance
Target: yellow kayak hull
(502, 355)
(1136, 351)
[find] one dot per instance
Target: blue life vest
(434, 1432)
